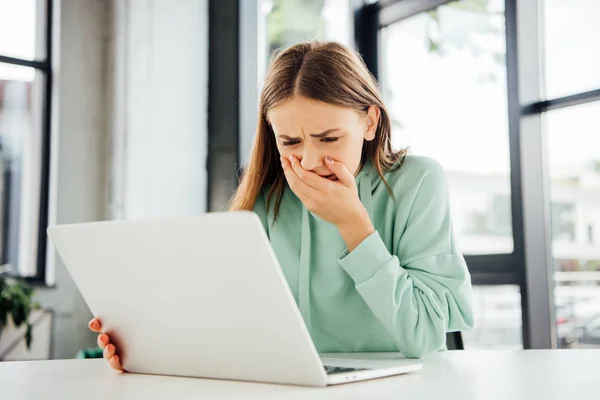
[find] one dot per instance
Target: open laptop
(203, 296)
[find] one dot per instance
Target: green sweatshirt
(401, 289)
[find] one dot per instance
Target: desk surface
(464, 375)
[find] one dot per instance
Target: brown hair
(327, 72)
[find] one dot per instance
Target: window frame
(527, 266)
(44, 66)
(486, 269)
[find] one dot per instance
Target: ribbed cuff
(366, 259)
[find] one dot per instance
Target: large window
(24, 133)
(573, 138)
(570, 128)
(444, 80)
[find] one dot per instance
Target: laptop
(203, 296)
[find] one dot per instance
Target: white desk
(461, 375)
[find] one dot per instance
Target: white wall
(160, 76)
(129, 126)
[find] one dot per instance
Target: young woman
(363, 233)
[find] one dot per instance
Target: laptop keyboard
(340, 370)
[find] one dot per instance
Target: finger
(310, 178)
(95, 325)
(115, 363)
(339, 169)
(291, 178)
(109, 351)
(298, 186)
(103, 340)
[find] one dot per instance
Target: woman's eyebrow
(325, 133)
(286, 137)
(315, 135)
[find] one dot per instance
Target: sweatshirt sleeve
(423, 290)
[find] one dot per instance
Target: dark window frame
(45, 67)
(488, 269)
(495, 269)
(224, 67)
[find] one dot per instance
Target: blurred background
(118, 109)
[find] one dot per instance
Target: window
(498, 322)
(573, 154)
(444, 78)
(293, 21)
(563, 221)
(570, 127)
(278, 24)
(24, 132)
(444, 81)
(18, 28)
(571, 46)
(501, 216)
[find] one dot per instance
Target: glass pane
(572, 46)
(444, 81)
(20, 154)
(18, 28)
(573, 139)
(498, 323)
(293, 21)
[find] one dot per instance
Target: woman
(363, 234)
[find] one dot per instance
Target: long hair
(323, 71)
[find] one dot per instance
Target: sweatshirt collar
(364, 182)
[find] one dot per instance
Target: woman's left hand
(336, 202)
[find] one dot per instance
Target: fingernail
(329, 160)
(291, 158)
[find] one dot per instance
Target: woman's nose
(310, 161)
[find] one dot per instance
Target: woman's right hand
(104, 343)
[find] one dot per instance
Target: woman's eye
(290, 143)
(329, 139)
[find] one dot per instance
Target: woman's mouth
(331, 177)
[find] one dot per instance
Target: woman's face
(312, 130)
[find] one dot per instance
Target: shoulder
(422, 165)
(420, 189)
(414, 171)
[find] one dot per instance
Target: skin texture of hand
(335, 199)
(104, 342)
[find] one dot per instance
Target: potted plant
(16, 301)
